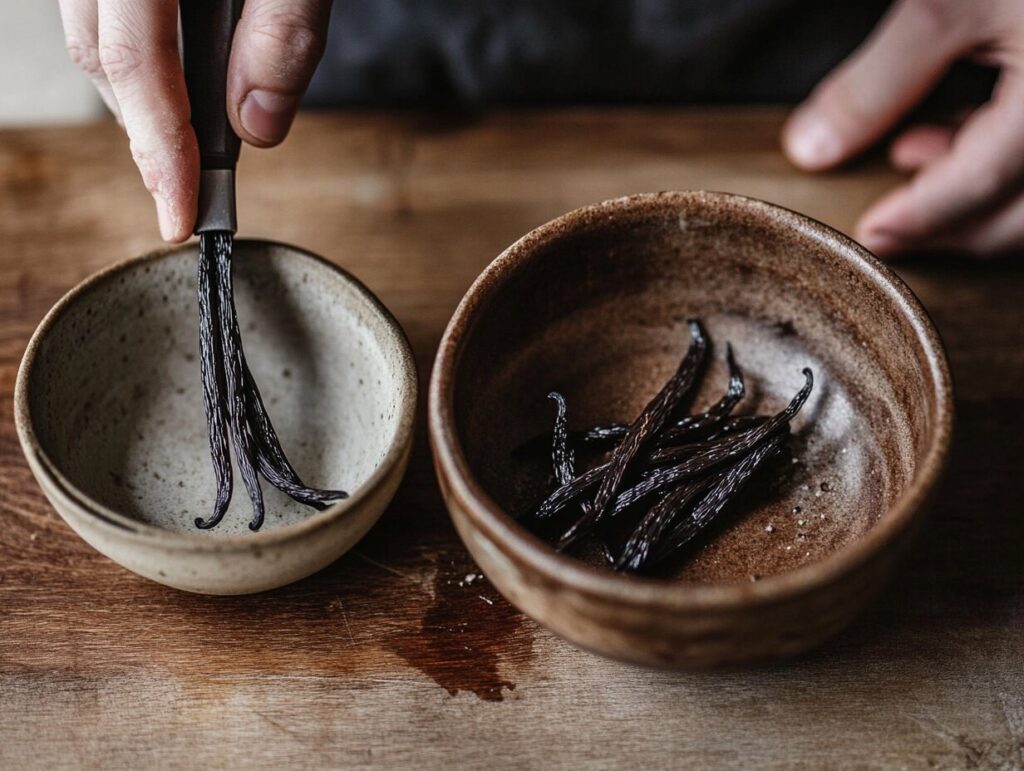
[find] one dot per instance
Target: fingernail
(165, 217)
(811, 141)
(266, 115)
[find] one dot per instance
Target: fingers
(138, 51)
(81, 36)
(919, 146)
(893, 70)
(277, 46)
(984, 167)
(999, 233)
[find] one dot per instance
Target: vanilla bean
(658, 519)
(234, 406)
(683, 428)
(713, 453)
(241, 435)
(272, 462)
(641, 431)
(721, 494)
(562, 458)
(214, 389)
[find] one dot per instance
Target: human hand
(967, 192)
(130, 50)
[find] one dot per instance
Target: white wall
(38, 83)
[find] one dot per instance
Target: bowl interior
(596, 305)
(115, 398)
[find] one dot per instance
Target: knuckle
(164, 159)
(85, 55)
(120, 60)
(148, 164)
(290, 36)
(984, 181)
(939, 17)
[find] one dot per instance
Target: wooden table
(384, 658)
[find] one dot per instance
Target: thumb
(276, 48)
(901, 61)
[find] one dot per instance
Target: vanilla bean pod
(714, 452)
(231, 340)
(214, 388)
(641, 431)
(683, 428)
(234, 406)
(691, 468)
(721, 494)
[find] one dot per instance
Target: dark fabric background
(475, 52)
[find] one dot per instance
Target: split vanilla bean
(670, 475)
(234, 407)
(640, 432)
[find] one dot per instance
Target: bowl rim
(516, 542)
(137, 531)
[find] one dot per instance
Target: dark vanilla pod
(639, 434)
(234, 406)
(235, 413)
(713, 418)
(670, 476)
(562, 456)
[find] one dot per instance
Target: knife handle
(207, 29)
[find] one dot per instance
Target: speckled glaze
(594, 305)
(109, 411)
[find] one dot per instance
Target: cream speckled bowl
(109, 412)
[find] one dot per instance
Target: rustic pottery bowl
(109, 411)
(594, 304)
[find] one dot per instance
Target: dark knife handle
(207, 29)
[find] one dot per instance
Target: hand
(130, 50)
(968, 190)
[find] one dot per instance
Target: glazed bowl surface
(109, 411)
(594, 304)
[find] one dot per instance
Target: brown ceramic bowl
(594, 305)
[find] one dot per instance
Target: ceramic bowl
(594, 304)
(109, 412)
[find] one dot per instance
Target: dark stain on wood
(469, 638)
(466, 637)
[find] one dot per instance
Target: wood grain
(385, 658)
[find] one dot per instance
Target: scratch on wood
(339, 605)
(410, 578)
(279, 726)
(976, 751)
